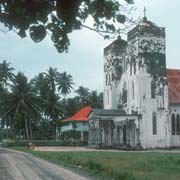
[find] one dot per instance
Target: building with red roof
(78, 122)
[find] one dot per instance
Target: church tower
(114, 67)
(147, 59)
(148, 90)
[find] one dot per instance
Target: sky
(84, 61)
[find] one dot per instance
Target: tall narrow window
(178, 124)
(124, 94)
(153, 89)
(106, 79)
(134, 67)
(108, 97)
(154, 123)
(131, 68)
(173, 124)
(133, 89)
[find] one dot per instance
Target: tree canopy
(58, 18)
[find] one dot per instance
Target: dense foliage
(60, 17)
(33, 109)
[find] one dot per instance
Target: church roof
(82, 115)
(109, 112)
(144, 26)
(173, 76)
(117, 44)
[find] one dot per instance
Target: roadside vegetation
(33, 108)
(118, 165)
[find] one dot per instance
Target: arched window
(133, 89)
(154, 123)
(178, 124)
(173, 124)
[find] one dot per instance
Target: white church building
(141, 96)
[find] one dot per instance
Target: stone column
(82, 137)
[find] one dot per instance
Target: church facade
(141, 96)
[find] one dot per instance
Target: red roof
(82, 115)
(173, 76)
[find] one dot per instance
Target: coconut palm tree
(65, 82)
(53, 109)
(22, 100)
(51, 76)
(40, 85)
(6, 73)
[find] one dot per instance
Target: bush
(11, 143)
(8, 143)
(71, 134)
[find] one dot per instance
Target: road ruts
(22, 166)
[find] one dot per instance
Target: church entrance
(106, 133)
(125, 133)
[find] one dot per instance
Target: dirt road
(22, 166)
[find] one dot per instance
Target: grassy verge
(119, 165)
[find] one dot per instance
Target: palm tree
(51, 76)
(83, 95)
(40, 85)
(93, 98)
(72, 106)
(5, 73)
(51, 98)
(52, 108)
(22, 100)
(65, 82)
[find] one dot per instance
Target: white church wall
(148, 106)
(161, 138)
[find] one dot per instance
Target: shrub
(8, 143)
(71, 134)
(11, 143)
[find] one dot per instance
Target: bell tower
(147, 71)
(147, 60)
(114, 67)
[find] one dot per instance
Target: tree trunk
(11, 129)
(54, 130)
(26, 127)
(7, 133)
(30, 130)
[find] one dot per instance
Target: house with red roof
(78, 122)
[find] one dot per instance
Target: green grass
(119, 165)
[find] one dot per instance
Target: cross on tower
(145, 11)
